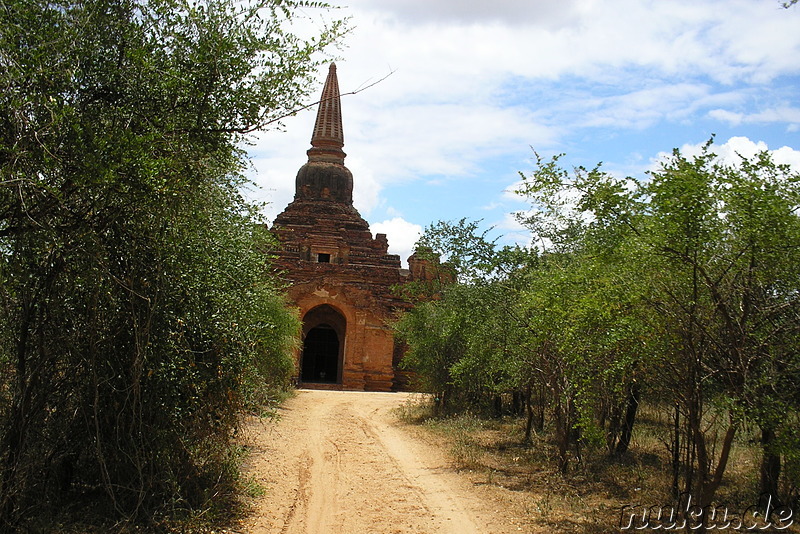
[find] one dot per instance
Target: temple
(340, 276)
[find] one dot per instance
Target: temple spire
(324, 177)
(328, 137)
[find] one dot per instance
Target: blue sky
(475, 85)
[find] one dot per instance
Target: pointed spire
(328, 137)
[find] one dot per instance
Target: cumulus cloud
(402, 235)
(734, 149)
(787, 156)
(784, 114)
(513, 12)
(474, 80)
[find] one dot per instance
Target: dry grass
(590, 497)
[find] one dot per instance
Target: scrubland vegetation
(651, 329)
(646, 345)
(138, 316)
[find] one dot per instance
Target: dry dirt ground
(342, 462)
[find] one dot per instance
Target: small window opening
(323, 258)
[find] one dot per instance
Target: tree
(587, 301)
(729, 237)
(718, 245)
(462, 335)
(138, 316)
(681, 287)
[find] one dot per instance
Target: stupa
(340, 277)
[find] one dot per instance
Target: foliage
(725, 240)
(457, 358)
(681, 286)
(137, 313)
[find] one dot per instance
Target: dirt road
(341, 462)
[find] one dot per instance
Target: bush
(138, 315)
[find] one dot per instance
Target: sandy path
(340, 462)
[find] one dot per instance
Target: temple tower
(340, 276)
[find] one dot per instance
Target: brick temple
(340, 276)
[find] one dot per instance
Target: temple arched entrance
(324, 330)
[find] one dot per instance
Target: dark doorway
(321, 355)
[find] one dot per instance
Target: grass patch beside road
(590, 496)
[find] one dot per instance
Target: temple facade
(340, 276)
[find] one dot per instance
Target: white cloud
(642, 108)
(397, 142)
(784, 114)
(475, 80)
(724, 39)
(513, 232)
(366, 185)
(732, 118)
(510, 192)
(734, 149)
(513, 12)
(787, 156)
(393, 212)
(402, 235)
(274, 180)
(445, 139)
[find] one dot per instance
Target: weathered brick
(340, 277)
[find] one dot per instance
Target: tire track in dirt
(340, 463)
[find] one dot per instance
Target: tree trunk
(13, 440)
(562, 435)
(497, 405)
(516, 402)
(710, 477)
(770, 466)
(612, 434)
(529, 415)
(539, 422)
(676, 453)
(630, 417)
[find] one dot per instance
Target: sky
(468, 89)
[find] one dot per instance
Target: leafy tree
(585, 303)
(728, 236)
(710, 249)
(547, 328)
(461, 336)
(681, 286)
(137, 313)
